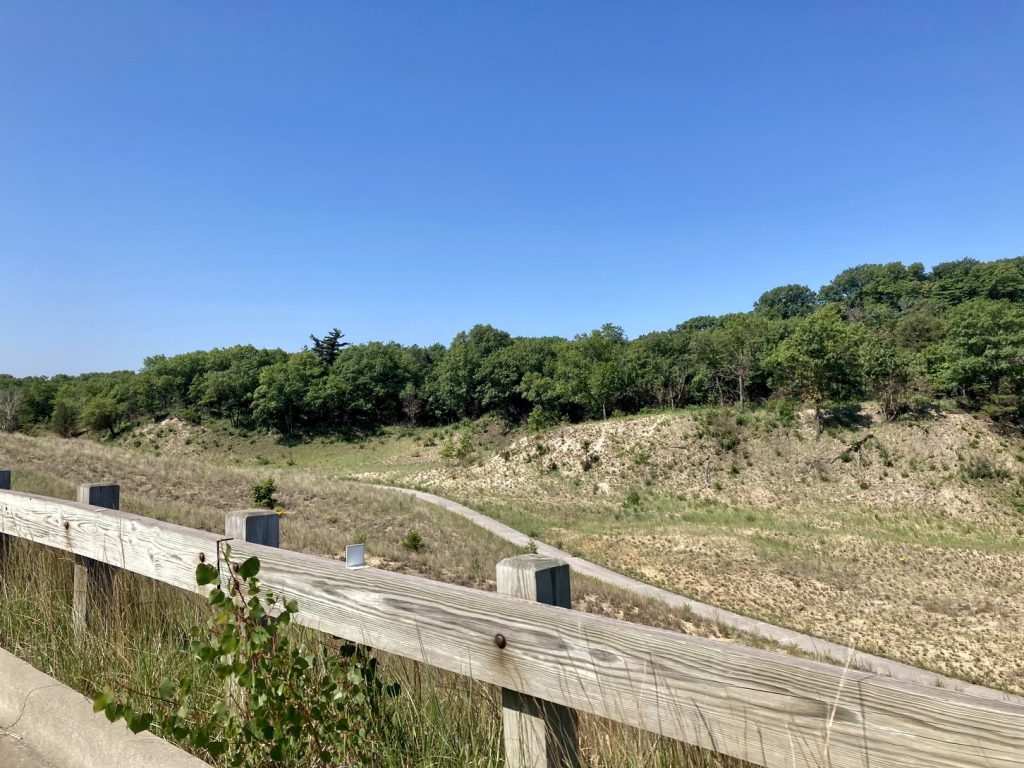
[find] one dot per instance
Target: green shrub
(982, 469)
(289, 700)
(262, 494)
(413, 541)
(642, 457)
(540, 419)
(457, 446)
(787, 413)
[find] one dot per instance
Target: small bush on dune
(413, 541)
(262, 494)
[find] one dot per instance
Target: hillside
(905, 538)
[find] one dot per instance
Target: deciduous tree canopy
(894, 333)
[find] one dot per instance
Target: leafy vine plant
(288, 699)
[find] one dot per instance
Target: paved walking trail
(824, 649)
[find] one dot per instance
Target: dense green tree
(820, 362)
(37, 398)
(1002, 279)
(953, 282)
(888, 372)
(663, 368)
(364, 386)
(735, 351)
(982, 356)
(786, 302)
(454, 388)
(167, 381)
(103, 414)
(590, 370)
(892, 285)
(918, 329)
(280, 400)
(64, 418)
(502, 373)
(227, 388)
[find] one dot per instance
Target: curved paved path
(824, 649)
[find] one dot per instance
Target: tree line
(897, 334)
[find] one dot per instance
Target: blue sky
(183, 175)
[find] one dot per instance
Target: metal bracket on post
(355, 556)
(256, 526)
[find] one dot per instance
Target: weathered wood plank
(763, 707)
(162, 551)
(767, 708)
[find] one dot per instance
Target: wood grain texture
(163, 551)
(93, 579)
(538, 734)
(767, 708)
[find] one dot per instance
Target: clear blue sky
(183, 175)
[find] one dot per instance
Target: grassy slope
(911, 547)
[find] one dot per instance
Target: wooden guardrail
(763, 707)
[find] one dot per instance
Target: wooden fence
(767, 708)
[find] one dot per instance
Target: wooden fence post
(92, 575)
(538, 734)
(256, 526)
(5, 485)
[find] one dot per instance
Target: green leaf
(249, 568)
(100, 702)
(140, 723)
(166, 688)
(206, 574)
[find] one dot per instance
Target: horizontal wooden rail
(767, 708)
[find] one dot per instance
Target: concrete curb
(822, 649)
(59, 724)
